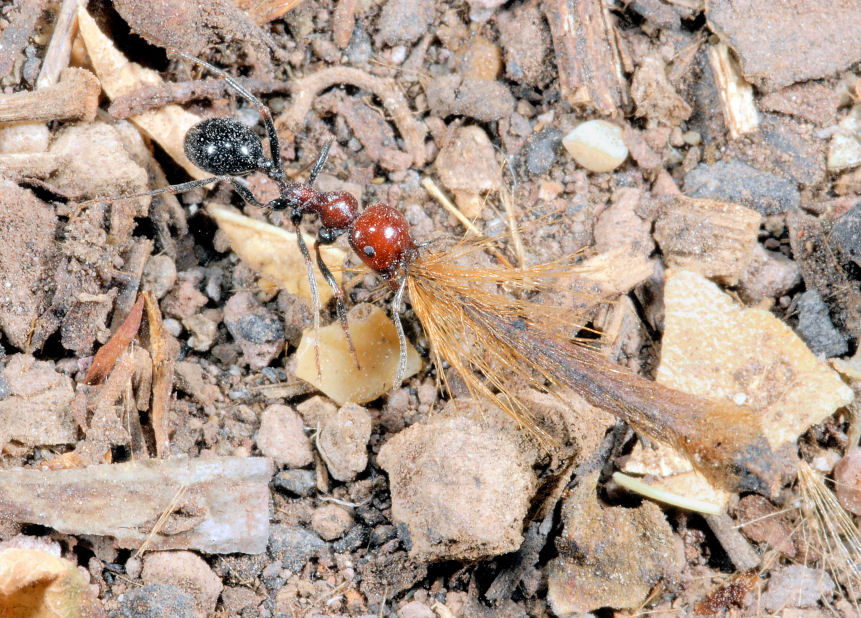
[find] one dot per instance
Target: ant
(380, 235)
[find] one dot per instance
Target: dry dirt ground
(156, 338)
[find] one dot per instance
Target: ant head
(224, 147)
(381, 237)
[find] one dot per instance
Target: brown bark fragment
(586, 54)
(74, 97)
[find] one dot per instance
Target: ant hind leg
(272, 134)
(402, 339)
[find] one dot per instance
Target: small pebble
(597, 145)
(188, 572)
(298, 482)
(155, 600)
(815, 327)
(282, 437)
(183, 301)
(203, 332)
(847, 477)
(343, 441)
(479, 58)
(414, 609)
(795, 585)
(159, 275)
(330, 521)
(292, 546)
(354, 539)
(173, 326)
(540, 151)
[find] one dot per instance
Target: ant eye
(369, 251)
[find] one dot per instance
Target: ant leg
(172, 189)
(246, 194)
(402, 339)
(315, 294)
(320, 162)
(339, 300)
(274, 145)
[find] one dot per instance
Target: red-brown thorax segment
(381, 237)
(337, 209)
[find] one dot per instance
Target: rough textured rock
(847, 477)
(282, 437)
(258, 331)
(188, 572)
(461, 482)
(155, 600)
(526, 42)
(28, 257)
(795, 585)
(769, 275)
(404, 21)
(35, 410)
(343, 441)
(715, 239)
(293, 546)
(609, 556)
(482, 99)
(330, 521)
(734, 181)
(467, 166)
(780, 43)
(815, 327)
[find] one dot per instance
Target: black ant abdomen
(224, 147)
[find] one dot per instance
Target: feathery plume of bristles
(830, 531)
(496, 340)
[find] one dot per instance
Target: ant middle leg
(338, 293)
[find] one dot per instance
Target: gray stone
(846, 234)
(540, 150)
(815, 327)
(293, 546)
(734, 181)
(155, 600)
(297, 482)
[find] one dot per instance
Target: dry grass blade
(162, 520)
(830, 531)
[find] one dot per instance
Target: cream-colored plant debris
(376, 342)
(274, 253)
(714, 348)
(166, 125)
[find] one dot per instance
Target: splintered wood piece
(167, 125)
(165, 351)
(274, 252)
(715, 239)
(224, 508)
(60, 48)
(74, 97)
(587, 56)
(376, 342)
(736, 95)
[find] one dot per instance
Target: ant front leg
(325, 237)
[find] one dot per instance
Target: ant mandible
(380, 235)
